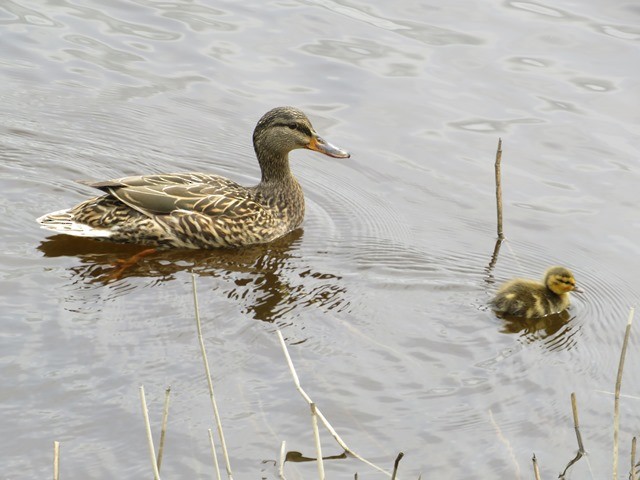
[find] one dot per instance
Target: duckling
(201, 210)
(531, 299)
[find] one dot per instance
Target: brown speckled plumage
(531, 299)
(198, 210)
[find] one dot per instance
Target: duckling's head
(559, 280)
(284, 129)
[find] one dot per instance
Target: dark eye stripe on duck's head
(296, 126)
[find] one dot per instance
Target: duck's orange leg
(123, 263)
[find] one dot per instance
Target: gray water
(381, 296)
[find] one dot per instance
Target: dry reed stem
(576, 422)
(214, 454)
(223, 444)
(395, 465)
(499, 188)
(324, 421)
(56, 460)
(283, 453)
(152, 450)
(163, 430)
(616, 402)
(536, 470)
(632, 475)
(316, 436)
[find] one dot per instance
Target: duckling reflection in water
(531, 299)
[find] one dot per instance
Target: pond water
(381, 296)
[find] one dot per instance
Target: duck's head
(284, 129)
(560, 280)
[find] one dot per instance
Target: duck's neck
(275, 169)
(279, 188)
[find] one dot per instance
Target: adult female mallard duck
(531, 299)
(199, 210)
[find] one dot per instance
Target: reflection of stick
(213, 454)
(324, 421)
(56, 460)
(316, 435)
(152, 450)
(395, 465)
(163, 431)
(499, 189)
(209, 381)
(536, 471)
(576, 424)
(283, 447)
(616, 402)
(507, 444)
(633, 459)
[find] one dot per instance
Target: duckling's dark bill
(320, 145)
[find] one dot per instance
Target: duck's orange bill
(320, 145)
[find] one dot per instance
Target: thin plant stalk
(152, 450)
(616, 402)
(209, 381)
(283, 453)
(163, 431)
(214, 454)
(633, 475)
(324, 421)
(395, 465)
(316, 436)
(499, 188)
(576, 421)
(536, 470)
(56, 460)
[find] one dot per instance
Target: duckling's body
(532, 299)
(198, 210)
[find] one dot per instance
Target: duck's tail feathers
(62, 222)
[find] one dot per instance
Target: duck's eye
(293, 126)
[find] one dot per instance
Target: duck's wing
(202, 216)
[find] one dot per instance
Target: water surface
(382, 294)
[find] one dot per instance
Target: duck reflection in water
(537, 328)
(269, 280)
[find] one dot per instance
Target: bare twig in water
(499, 188)
(283, 456)
(316, 436)
(500, 239)
(163, 431)
(214, 454)
(632, 474)
(152, 450)
(536, 471)
(576, 424)
(324, 421)
(56, 460)
(616, 402)
(209, 381)
(395, 465)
